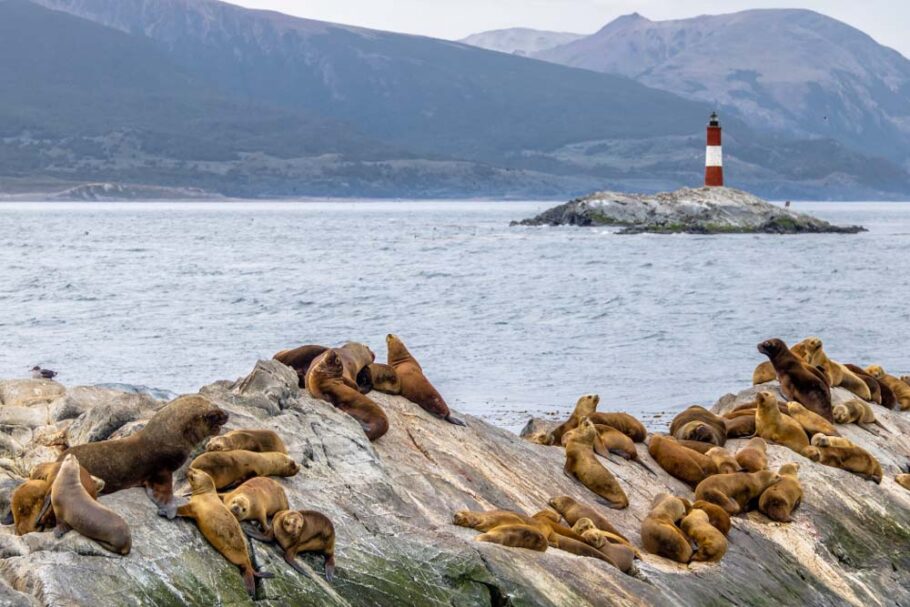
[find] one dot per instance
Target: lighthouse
(714, 157)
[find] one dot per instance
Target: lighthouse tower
(714, 157)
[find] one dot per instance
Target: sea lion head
(767, 402)
(812, 453)
(466, 518)
(699, 431)
(667, 505)
(772, 347)
(586, 432)
(292, 523)
(841, 414)
(820, 440)
(192, 417)
(875, 371)
(397, 351)
(330, 365)
(26, 503)
(541, 438)
(791, 469)
(767, 477)
(239, 506)
(288, 466)
(582, 525)
(200, 481)
(360, 350)
(217, 443)
(561, 503)
(587, 405)
(812, 344)
(592, 537)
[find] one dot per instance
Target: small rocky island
(716, 210)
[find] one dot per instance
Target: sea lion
(875, 388)
(898, 389)
(597, 536)
(777, 428)
(516, 536)
(299, 531)
(812, 423)
(798, 381)
(724, 460)
(75, 508)
(821, 440)
(228, 468)
(149, 457)
(584, 407)
(838, 374)
(754, 456)
(219, 526)
(325, 381)
(30, 502)
(414, 384)
(765, 373)
(905, 379)
(697, 423)
(582, 464)
(903, 480)
(712, 544)
(620, 554)
(687, 465)
(567, 540)
(717, 516)
(573, 511)
(260, 441)
(300, 360)
(354, 358)
(610, 440)
(659, 533)
(696, 445)
(853, 459)
(781, 499)
(256, 500)
(853, 411)
(625, 423)
(735, 492)
(741, 426)
(384, 379)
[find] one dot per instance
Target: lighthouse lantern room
(714, 158)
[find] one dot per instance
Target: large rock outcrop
(392, 504)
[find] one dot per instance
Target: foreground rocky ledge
(692, 211)
(392, 504)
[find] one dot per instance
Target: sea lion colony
(62, 495)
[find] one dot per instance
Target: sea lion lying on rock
(326, 381)
(875, 388)
(582, 464)
(625, 423)
(256, 500)
(30, 502)
(687, 465)
(659, 533)
(753, 457)
(610, 440)
(414, 384)
(798, 381)
(716, 515)
(573, 511)
(260, 441)
(812, 423)
(853, 459)
(740, 426)
(384, 379)
(697, 423)
(735, 492)
(900, 389)
(780, 500)
(712, 544)
(723, 460)
(777, 428)
(228, 468)
(298, 531)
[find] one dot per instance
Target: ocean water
(507, 322)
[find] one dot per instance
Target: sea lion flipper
(44, 513)
(291, 560)
(330, 567)
(61, 529)
(455, 421)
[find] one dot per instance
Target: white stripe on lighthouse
(714, 156)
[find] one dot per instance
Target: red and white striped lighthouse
(714, 156)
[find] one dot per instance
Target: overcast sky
(888, 21)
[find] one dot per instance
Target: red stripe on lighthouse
(714, 156)
(714, 135)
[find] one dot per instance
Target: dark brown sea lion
(414, 384)
(764, 372)
(659, 533)
(687, 465)
(325, 381)
(229, 468)
(261, 441)
(741, 426)
(697, 423)
(798, 381)
(300, 360)
(735, 492)
(516, 536)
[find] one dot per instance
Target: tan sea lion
(219, 527)
(798, 381)
(256, 500)
(812, 423)
(659, 533)
(149, 457)
(764, 372)
(597, 537)
(741, 426)
(898, 389)
(724, 460)
(777, 428)
(735, 492)
(620, 554)
(584, 407)
(30, 516)
(610, 440)
(484, 521)
(697, 423)
(856, 411)
(568, 540)
(300, 360)
(712, 544)
(838, 374)
(582, 464)
(821, 440)
(903, 480)
(325, 381)
(516, 536)
(298, 531)
(853, 459)
(874, 387)
(754, 456)
(261, 441)
(228, 468)
(573, 511)
(75, 508)
(384, 379)
(687, 465)
(717, 516)
(414, 384)
(624, 422)
(781, 499)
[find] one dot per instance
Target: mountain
(791, 72)
(520, 40)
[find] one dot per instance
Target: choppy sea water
(507, 322)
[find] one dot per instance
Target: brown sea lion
(812, 423)
(414, 384)
(298, 531)
(838, 374)
(659, 533)
(228, 468)
(754, 456)
(741, 426)
(384, 379)
(777, 428)
(582, 464)
(149, 457)
(903, 480)
(687, 465)
(624, 422)
(261, 441)
(764, 372)
(573, 511)
(853, 459)
(717, 516)
(735, 492)
(696, 445)
(29, 516)
(325, 381)
(219, 526)
(798, 381)
(896, 389)
(697, 423)
(711, 543)
(610, 440)
(256, 500)
(75, 508)
(567, 540)
(584, 407)
(724, 460)
(516, 536)
(300, 360)
(780, 500)
(875, 388)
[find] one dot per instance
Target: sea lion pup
(610, 440)
(697, 423)
(325, 381)
(620, 554)
(228, 468)
(853, 459)
(583, 465)
(299, 531)
(735, 492)
(853, 411)
(687, 465)
(903, 480)
(414, 384)
(777, 428)
(219, 526)
(724, 460)
(588, 530)
(798, 381)
(149, 457)
(300, 360)
(754, 456)
(659, 533)
(515, 536)
(741, 426)
(568, 540)
(899, 390)
(875, 388)
(812, 423)
(717, 516)
(712, 544)
(838, 374)
(384, 379)
(573, 511)
(260, 441)
(764, 372)
(256, 500)
(781, 499)
(75, 508)
(584, 407)
(625, 423)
